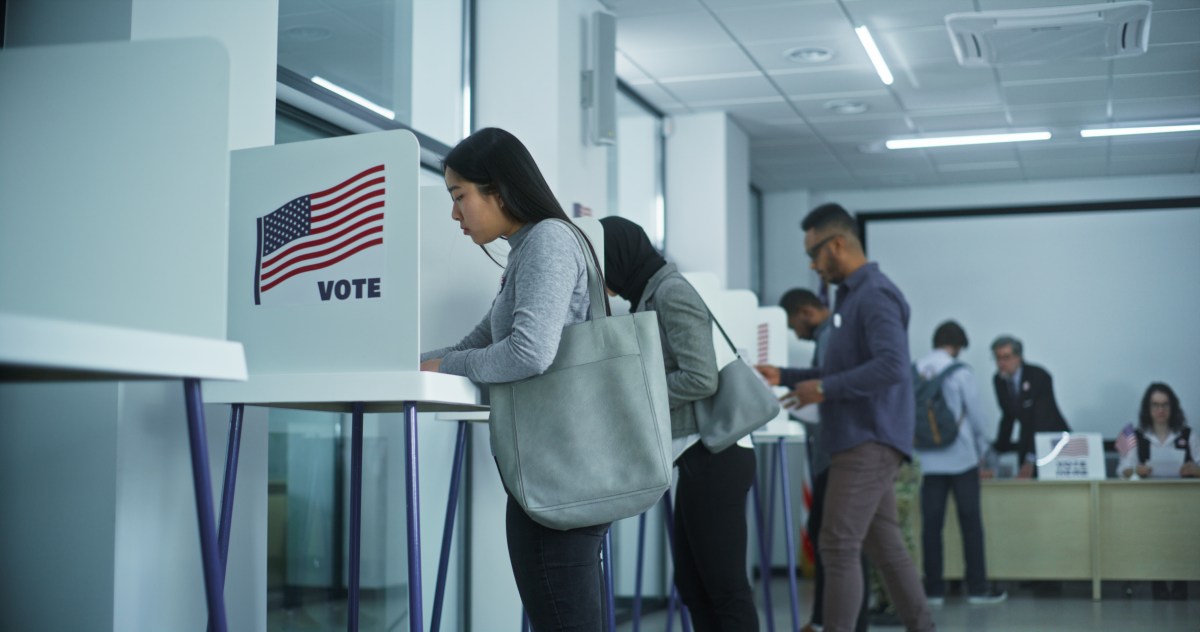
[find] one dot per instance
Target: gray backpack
(936, 425)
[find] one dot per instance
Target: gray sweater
(685, 327)
(543, 290)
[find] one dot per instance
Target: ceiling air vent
(1036, 36)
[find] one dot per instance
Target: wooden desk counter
(1072, 530)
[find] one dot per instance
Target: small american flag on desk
(1125, 441)
(320, 229)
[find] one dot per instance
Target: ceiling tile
(1161, 58)
(1140, 110)
(658, 96)
(776, 109)
(842, 80)
(724, 90)
(997, 153)
(912, 47)
(964, 122)
(983, 175)
(842, 43)
(1079, 165)
(946, 85)
(1061, 91)
(1174, 84)
(1066, 69)
(1173, 145)
(889, 14)
(1146, 166)
(1173, 27)
(877, 102)
(782, 21)
(695, 62)
(1071, 114)
(1004, 5)
(860, 128)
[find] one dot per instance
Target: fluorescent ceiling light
(348, 95)
(949, 141)
(868, 43)
(1128, 131)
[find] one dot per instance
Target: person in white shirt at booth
(1166, 445)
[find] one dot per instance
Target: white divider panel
(458, 280)
(324, 276)
(771, 334)
(128, 227)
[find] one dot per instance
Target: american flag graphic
(1075, 447)
(320, 229)
(1126, 440)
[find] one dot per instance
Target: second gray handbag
(589, 440)
(741, 405)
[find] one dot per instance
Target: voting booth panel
(113, 231)
(323, 241)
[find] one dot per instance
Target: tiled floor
(1028, 609)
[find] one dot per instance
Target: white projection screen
(1106, 300)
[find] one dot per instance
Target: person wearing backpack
(952, 442)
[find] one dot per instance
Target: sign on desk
(1069, 456)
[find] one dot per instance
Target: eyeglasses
(816, 249)
(1160, 404)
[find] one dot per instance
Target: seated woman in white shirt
(1166, 446)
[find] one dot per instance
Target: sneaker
(989, 597)
(935, 602)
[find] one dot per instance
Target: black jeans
(935, 489)
(710, 538)
(814, 534)
(557, 572)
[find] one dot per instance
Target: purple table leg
(637, 582)
(439, 592)
(356, 447)
(764, 564)
(610, 615)
(416, 619)
(209, 557)
(229, 487)
(789, 538)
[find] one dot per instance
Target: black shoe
(990, 597)
(1179, 591)
(1160, 590)
(883, 617)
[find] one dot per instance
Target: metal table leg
(209, 556)
(789, 538)
(356, 447)
(439, 592)
(416, 619)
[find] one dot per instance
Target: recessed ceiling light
(308, 33)
(808, 55)
(846, 106)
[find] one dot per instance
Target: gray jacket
(544, 289)
(685, 327)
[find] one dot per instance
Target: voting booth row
(296, 276)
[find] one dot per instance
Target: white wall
(437, 107)
(738, 223)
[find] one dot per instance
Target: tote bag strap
(714, 319)
(595, 276)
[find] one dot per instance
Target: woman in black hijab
(710, 499)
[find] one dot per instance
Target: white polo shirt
(1166, 457)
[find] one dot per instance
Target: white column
(708, 188)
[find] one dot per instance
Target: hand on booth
(1190, 470)
(433, 366)
(769, 373)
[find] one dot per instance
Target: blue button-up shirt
(865, 372)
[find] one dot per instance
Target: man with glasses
(1025, 393)
(865, 392)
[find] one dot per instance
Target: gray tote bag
(741, 405)
(589, 440)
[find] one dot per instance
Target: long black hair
(1176, 421)
(498, 163)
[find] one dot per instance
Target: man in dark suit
(1025, 393)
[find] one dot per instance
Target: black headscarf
(629, 259)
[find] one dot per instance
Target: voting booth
(112, 267)
(324, 278)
